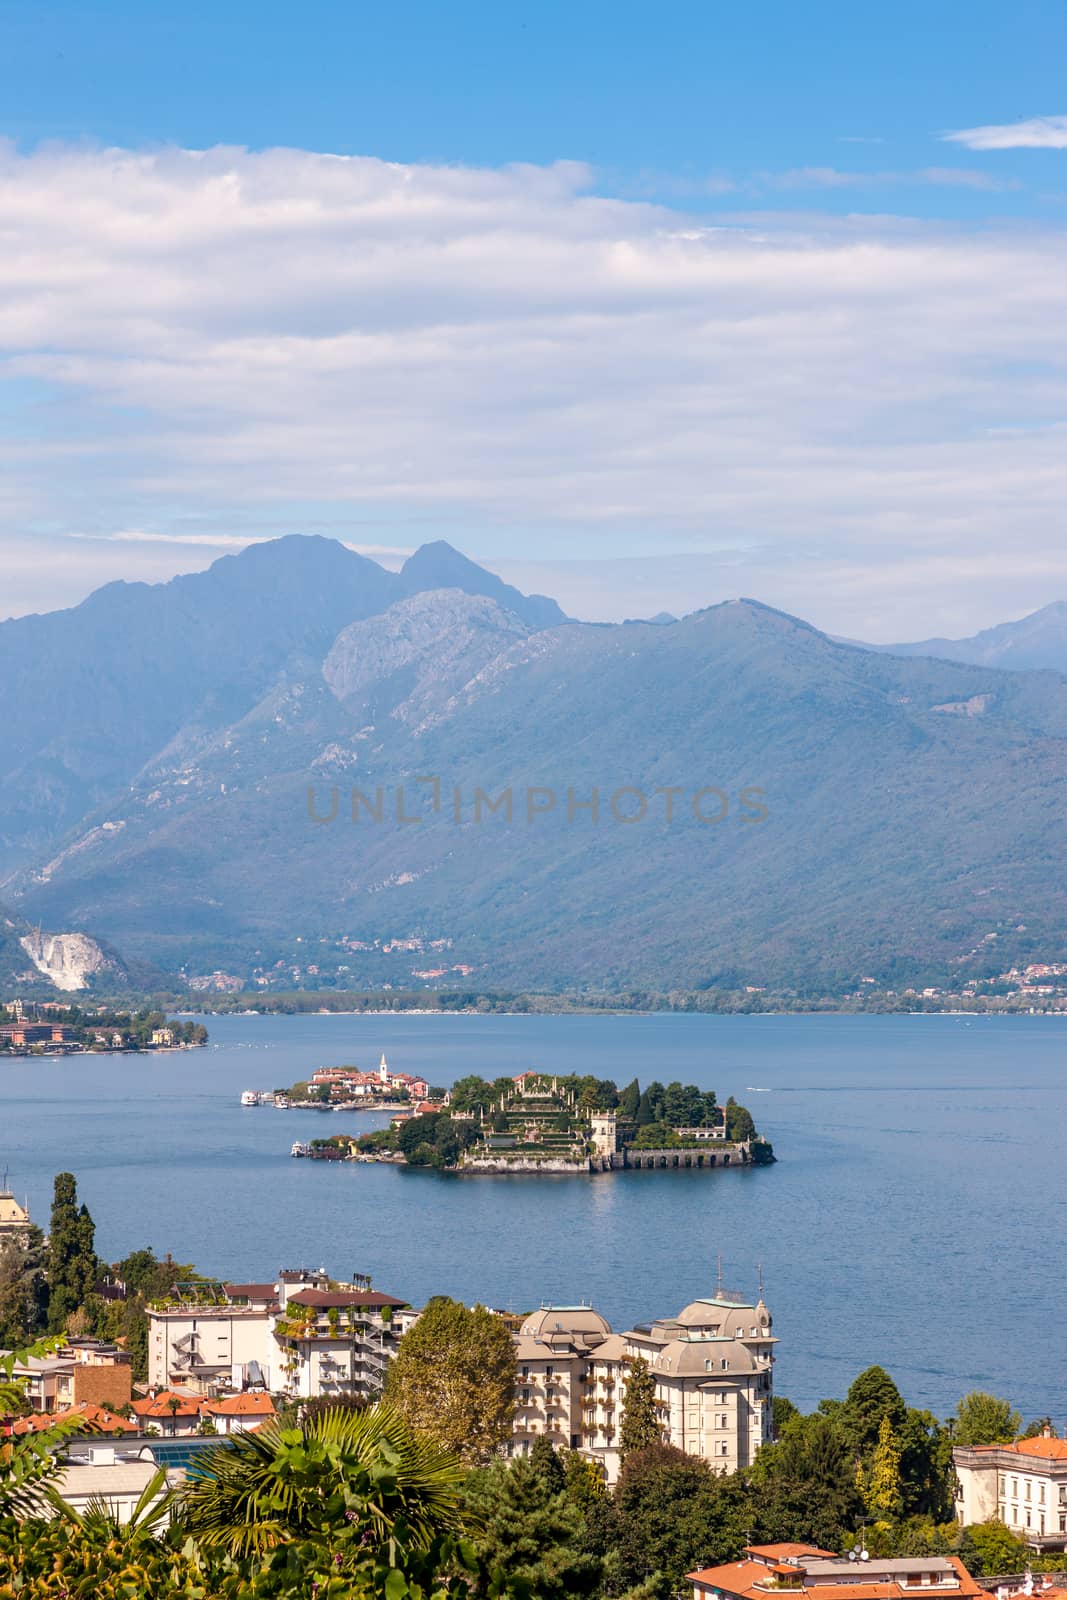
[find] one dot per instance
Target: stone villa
(1023, 1485)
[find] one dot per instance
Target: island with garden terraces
(542, 1124)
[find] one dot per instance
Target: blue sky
(778, 236)
(658, 99)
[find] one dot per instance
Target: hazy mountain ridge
(895, 825)
(139, 673)
(1034, 642)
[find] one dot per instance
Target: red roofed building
(1023, 1485)
(804, 1572)
(173, 1414)
(92, 1418)
(238, 1413)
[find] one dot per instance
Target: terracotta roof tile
(241, 1405)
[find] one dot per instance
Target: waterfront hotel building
(712, 1366)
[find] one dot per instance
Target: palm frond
(256, 1490)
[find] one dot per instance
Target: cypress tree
(629, 1099)
(71, 1253)
(640, 1425)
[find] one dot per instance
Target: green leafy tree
(474, 1094)
(529, 1538)
(739, 1123)
(989, 1548)
(23, 1288)
(71, 1255)
(782, 1411)
(804, 1487)
(453, 1379)
(872, 1397)
(640, 1424)
(584, 1482)
(416, 1132)
(983, 1419)
(674, 1514)
(926, 1471)
(880, 1484)
(630, 1099)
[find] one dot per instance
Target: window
(1028, 1519)
(1015, 1488)
(1041, 1493)
(1027, 1487)
(525, 1372)
(1063, 1524)
(722, 1448)
(725, 1364)
(549, 1371)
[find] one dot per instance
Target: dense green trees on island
(550, 1115)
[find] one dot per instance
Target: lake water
(917, 1216)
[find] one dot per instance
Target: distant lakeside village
(350, 974)
(60, 1027)
(533, 1123)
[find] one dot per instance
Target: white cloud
(206, 341)
(835, 178)
(1038, 133)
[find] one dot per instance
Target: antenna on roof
(718, 1281)
(759, 1271)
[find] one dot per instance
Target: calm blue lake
(917, 1216)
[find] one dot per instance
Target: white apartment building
(302, 1336)
(712, 1366)
(1023, 1485)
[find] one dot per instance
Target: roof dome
(556, 1321)
(726, 1320)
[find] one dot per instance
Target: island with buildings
(544, 1125)
(349, 1088)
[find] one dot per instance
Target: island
(542, 1125)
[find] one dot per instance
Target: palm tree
(357, 1474)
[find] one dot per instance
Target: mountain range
(1034, 642)
(273, 766)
